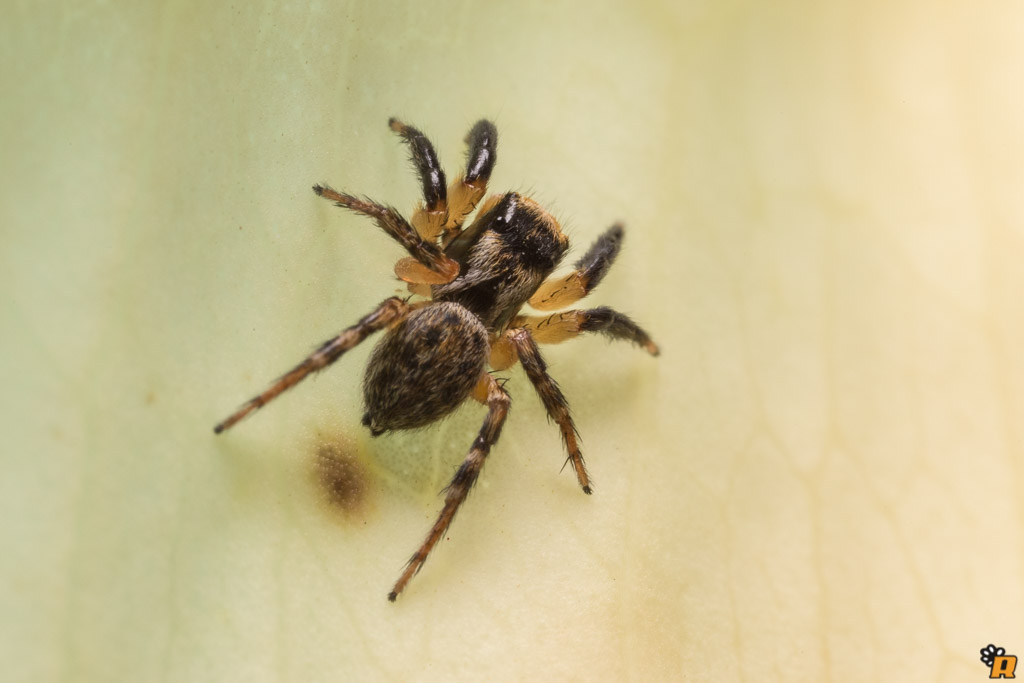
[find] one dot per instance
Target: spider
(476, 279)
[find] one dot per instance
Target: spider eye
(501, 216)
(510, 209)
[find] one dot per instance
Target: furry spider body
(424, 368)
(436, 351)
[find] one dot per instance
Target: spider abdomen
(423, 368)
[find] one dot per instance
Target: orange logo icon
(1000, 664)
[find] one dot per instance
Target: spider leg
(434, 266)
(551, 396)
(559, 327)
(497, 400)
(467, 190)
(388, 312)
(430, 216)
(588, 272)
(460, 244)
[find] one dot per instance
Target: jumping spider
(435, 352)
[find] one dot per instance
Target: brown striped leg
(430, 216)
(497, 403)
(390, 221)
(466, 191)
(567, 290)
(551, 396)
(388, 312)
(559, 327)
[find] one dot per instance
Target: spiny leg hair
(391, 222)
(430, 217)
(497, 403)
(586, 275)
(424, 159)
(554, 401)
(388, 312)
(559, 327)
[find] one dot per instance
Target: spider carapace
(472, 283)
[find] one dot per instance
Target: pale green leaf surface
(818, 480)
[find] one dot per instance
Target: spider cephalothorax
(474, 280)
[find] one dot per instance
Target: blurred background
(817, 480)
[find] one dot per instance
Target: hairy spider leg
(431, 214)
(464, 194)
(587, 274)
(460, 245)
(433, 266)
(497, 403)
(388, 312)
(559, 327)
(551, 396)
(467, 190)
